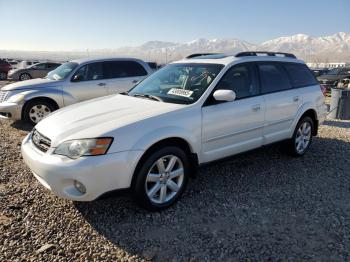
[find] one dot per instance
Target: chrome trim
(3, 96)
(41, 142)
(235, 133)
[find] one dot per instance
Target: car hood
(330, 77)
(99, 117)
(30, 84)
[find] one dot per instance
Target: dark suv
(4, 68)
(332, 78)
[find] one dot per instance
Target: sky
(108, 24)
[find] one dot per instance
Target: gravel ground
(261, 205)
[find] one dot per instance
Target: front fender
(52, 93)
(150, 138)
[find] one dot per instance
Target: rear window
(273, 78)
(300, 75)
(119, 69)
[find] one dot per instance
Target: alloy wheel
(303, 137)
(164, 179)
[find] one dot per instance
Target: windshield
(334, 71)
(62, 71)
(178, 83)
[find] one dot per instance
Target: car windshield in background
(178, 83)
(334, 71)
(62, 71)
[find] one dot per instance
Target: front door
(87, 83)
(232, 127)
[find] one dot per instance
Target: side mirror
(224, 95)
(77, 78)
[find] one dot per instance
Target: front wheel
(37, 110)
(162, 178)
(302, 137)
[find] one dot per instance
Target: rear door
(87, 83)
(38, 70)
(232, 127)
(282, 101)
(121, 76)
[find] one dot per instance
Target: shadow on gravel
(262, 204)
(339, 123)
(22, 126)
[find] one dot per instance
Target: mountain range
(333, 48)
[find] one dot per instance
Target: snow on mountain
(328, 48)
(306, 46)
(333, 48)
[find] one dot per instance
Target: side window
(134, 69)
(90, 72)
(52, 65)
(273, 78)
(299, 75)
(241, 79)
(40, 66)
(120, 69)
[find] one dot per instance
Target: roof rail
(201, 54)
(256, 53)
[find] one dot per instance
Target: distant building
(328, 65)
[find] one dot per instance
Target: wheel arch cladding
(39, 98)
(171, 141)
(313, 115)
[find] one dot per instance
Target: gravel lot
(261, 205)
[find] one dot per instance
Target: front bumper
(10, 110)
(99, 174)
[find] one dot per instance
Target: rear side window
(299, 75)
(273, 78)
(120, 69)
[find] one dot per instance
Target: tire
(155, 189)
(24, 76)
(36, 110)
(301, 140)
(3, 76)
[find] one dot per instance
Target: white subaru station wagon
(151, 139)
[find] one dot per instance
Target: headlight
(16, 98)
(84, 147)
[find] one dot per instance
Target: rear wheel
(162, 178)
(25, 76)
(302, 137)
(36, 110)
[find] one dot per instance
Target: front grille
(3, 95)
(41, 142)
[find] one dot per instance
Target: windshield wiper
(152, 97)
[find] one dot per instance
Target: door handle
(296, 98)
(256, 108)
(101, 84)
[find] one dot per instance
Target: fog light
(79, 186)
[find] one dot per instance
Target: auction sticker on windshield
(180, 92)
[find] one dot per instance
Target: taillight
(324, 90)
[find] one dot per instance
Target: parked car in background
(39, 70)
(26, 63)
(332, 78)
(151, 139)
(319, 71)
(72, 82)
(5, 67)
